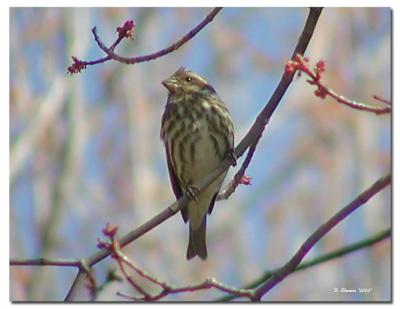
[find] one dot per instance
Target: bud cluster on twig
(301, 64)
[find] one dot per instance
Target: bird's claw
(193, 191)
(231, 155)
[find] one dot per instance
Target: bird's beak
(171, 85)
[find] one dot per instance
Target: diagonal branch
(291, 266)
(254, 134)
(365, 243)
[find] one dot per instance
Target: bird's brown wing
(175, 183)
(211, 206)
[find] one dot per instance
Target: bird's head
(185, 82)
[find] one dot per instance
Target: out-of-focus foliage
(85, 149)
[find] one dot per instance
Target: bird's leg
(193, 191)
(231, 155)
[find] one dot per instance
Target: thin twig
(299, 63)
(205, 285)
(166, 288)
(378, 98)
(121, 259)
(110, 53)
(290, 267)
(78, 65)
(136, 286)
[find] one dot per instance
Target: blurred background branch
(47, 112)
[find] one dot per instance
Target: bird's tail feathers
(197, 241)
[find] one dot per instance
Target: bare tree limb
(166, 289)
(254, 134)
(162, 52)
(127, 31)
(291, 266)
(362, 244)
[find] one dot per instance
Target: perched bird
(198, 134)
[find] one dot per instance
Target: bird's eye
(188, 79)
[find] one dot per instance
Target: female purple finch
(197, 131)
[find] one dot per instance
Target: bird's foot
(231, 155)
(193, 191)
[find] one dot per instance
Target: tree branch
(162, 52)
(166, 289)
(127, 31)
(291, 266)
(254, 134)
(365, 243)
(300, 64)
